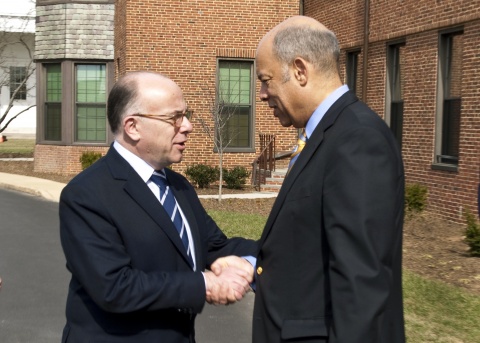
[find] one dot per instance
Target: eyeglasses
(176, 117)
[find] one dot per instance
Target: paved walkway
(51, 190)
(35, 280)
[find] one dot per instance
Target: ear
(300, 70)
(131, 127)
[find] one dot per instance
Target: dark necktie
(170, 205)
(302, 140)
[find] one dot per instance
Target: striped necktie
(169, 203)
(302, 140)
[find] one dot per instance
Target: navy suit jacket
(330, 253)
(131, 280)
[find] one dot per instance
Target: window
(90, 98)
(395, 86)
(53, 103)
(449, 99)
(235, 98)
(352, 71)
(17, 79)
(72, 108)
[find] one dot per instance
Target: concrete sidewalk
(51, 190)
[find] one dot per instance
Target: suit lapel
(143, 196)
(307, 153)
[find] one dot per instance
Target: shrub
(88, 158)
(415, 197)
(236, 177)
(202, 175)
(472, 233)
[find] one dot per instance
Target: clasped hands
(229, 280)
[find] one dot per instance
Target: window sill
(445, 167)
(236, 150)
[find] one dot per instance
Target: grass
(17, 146)
(439, 313)
(434, 311)
(239, 224)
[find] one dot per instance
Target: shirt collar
(140, 166)
(323, 108)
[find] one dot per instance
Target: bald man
(329, 262)
(137, 276)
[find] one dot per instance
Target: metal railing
(264, 163)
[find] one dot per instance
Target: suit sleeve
(363, 192)
(214, 240)
(97, 257)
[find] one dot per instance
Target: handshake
(229, 280)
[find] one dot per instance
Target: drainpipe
(365, 49)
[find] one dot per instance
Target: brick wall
(184, 39)
(418, 23)
(63, 160)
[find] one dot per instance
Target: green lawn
(238, 224)
(439, 313)
(17, 146)
(434, 311)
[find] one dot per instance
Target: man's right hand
(228, 287)
(232, 261)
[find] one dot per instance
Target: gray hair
(319, 47)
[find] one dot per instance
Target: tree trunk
(220, 181)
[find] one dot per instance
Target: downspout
(366, 27)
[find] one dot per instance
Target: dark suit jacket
(330, 253)
(131, 281)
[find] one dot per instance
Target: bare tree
(217, 128)
(15, 40)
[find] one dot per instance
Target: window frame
(351, 69)
(442, 161)
(393, 86)
(251, 125)
(13, 84)
(47, 102)
(68, 103)
(86, 104)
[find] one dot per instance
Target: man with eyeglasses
(136, 253)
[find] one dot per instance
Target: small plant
(202, 175)
(236, 177)
(88, 158)
(415, 197)
(472, 233)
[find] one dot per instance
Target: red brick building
(423, 78)
(418, 69)
(203, 45)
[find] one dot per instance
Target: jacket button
(259, 270)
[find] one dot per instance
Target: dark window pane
(352, 71)
(53, 121)
(451, 127)
(236, 132)
(396, 120)
(53, 104)
(451, 60)
(91, 125)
